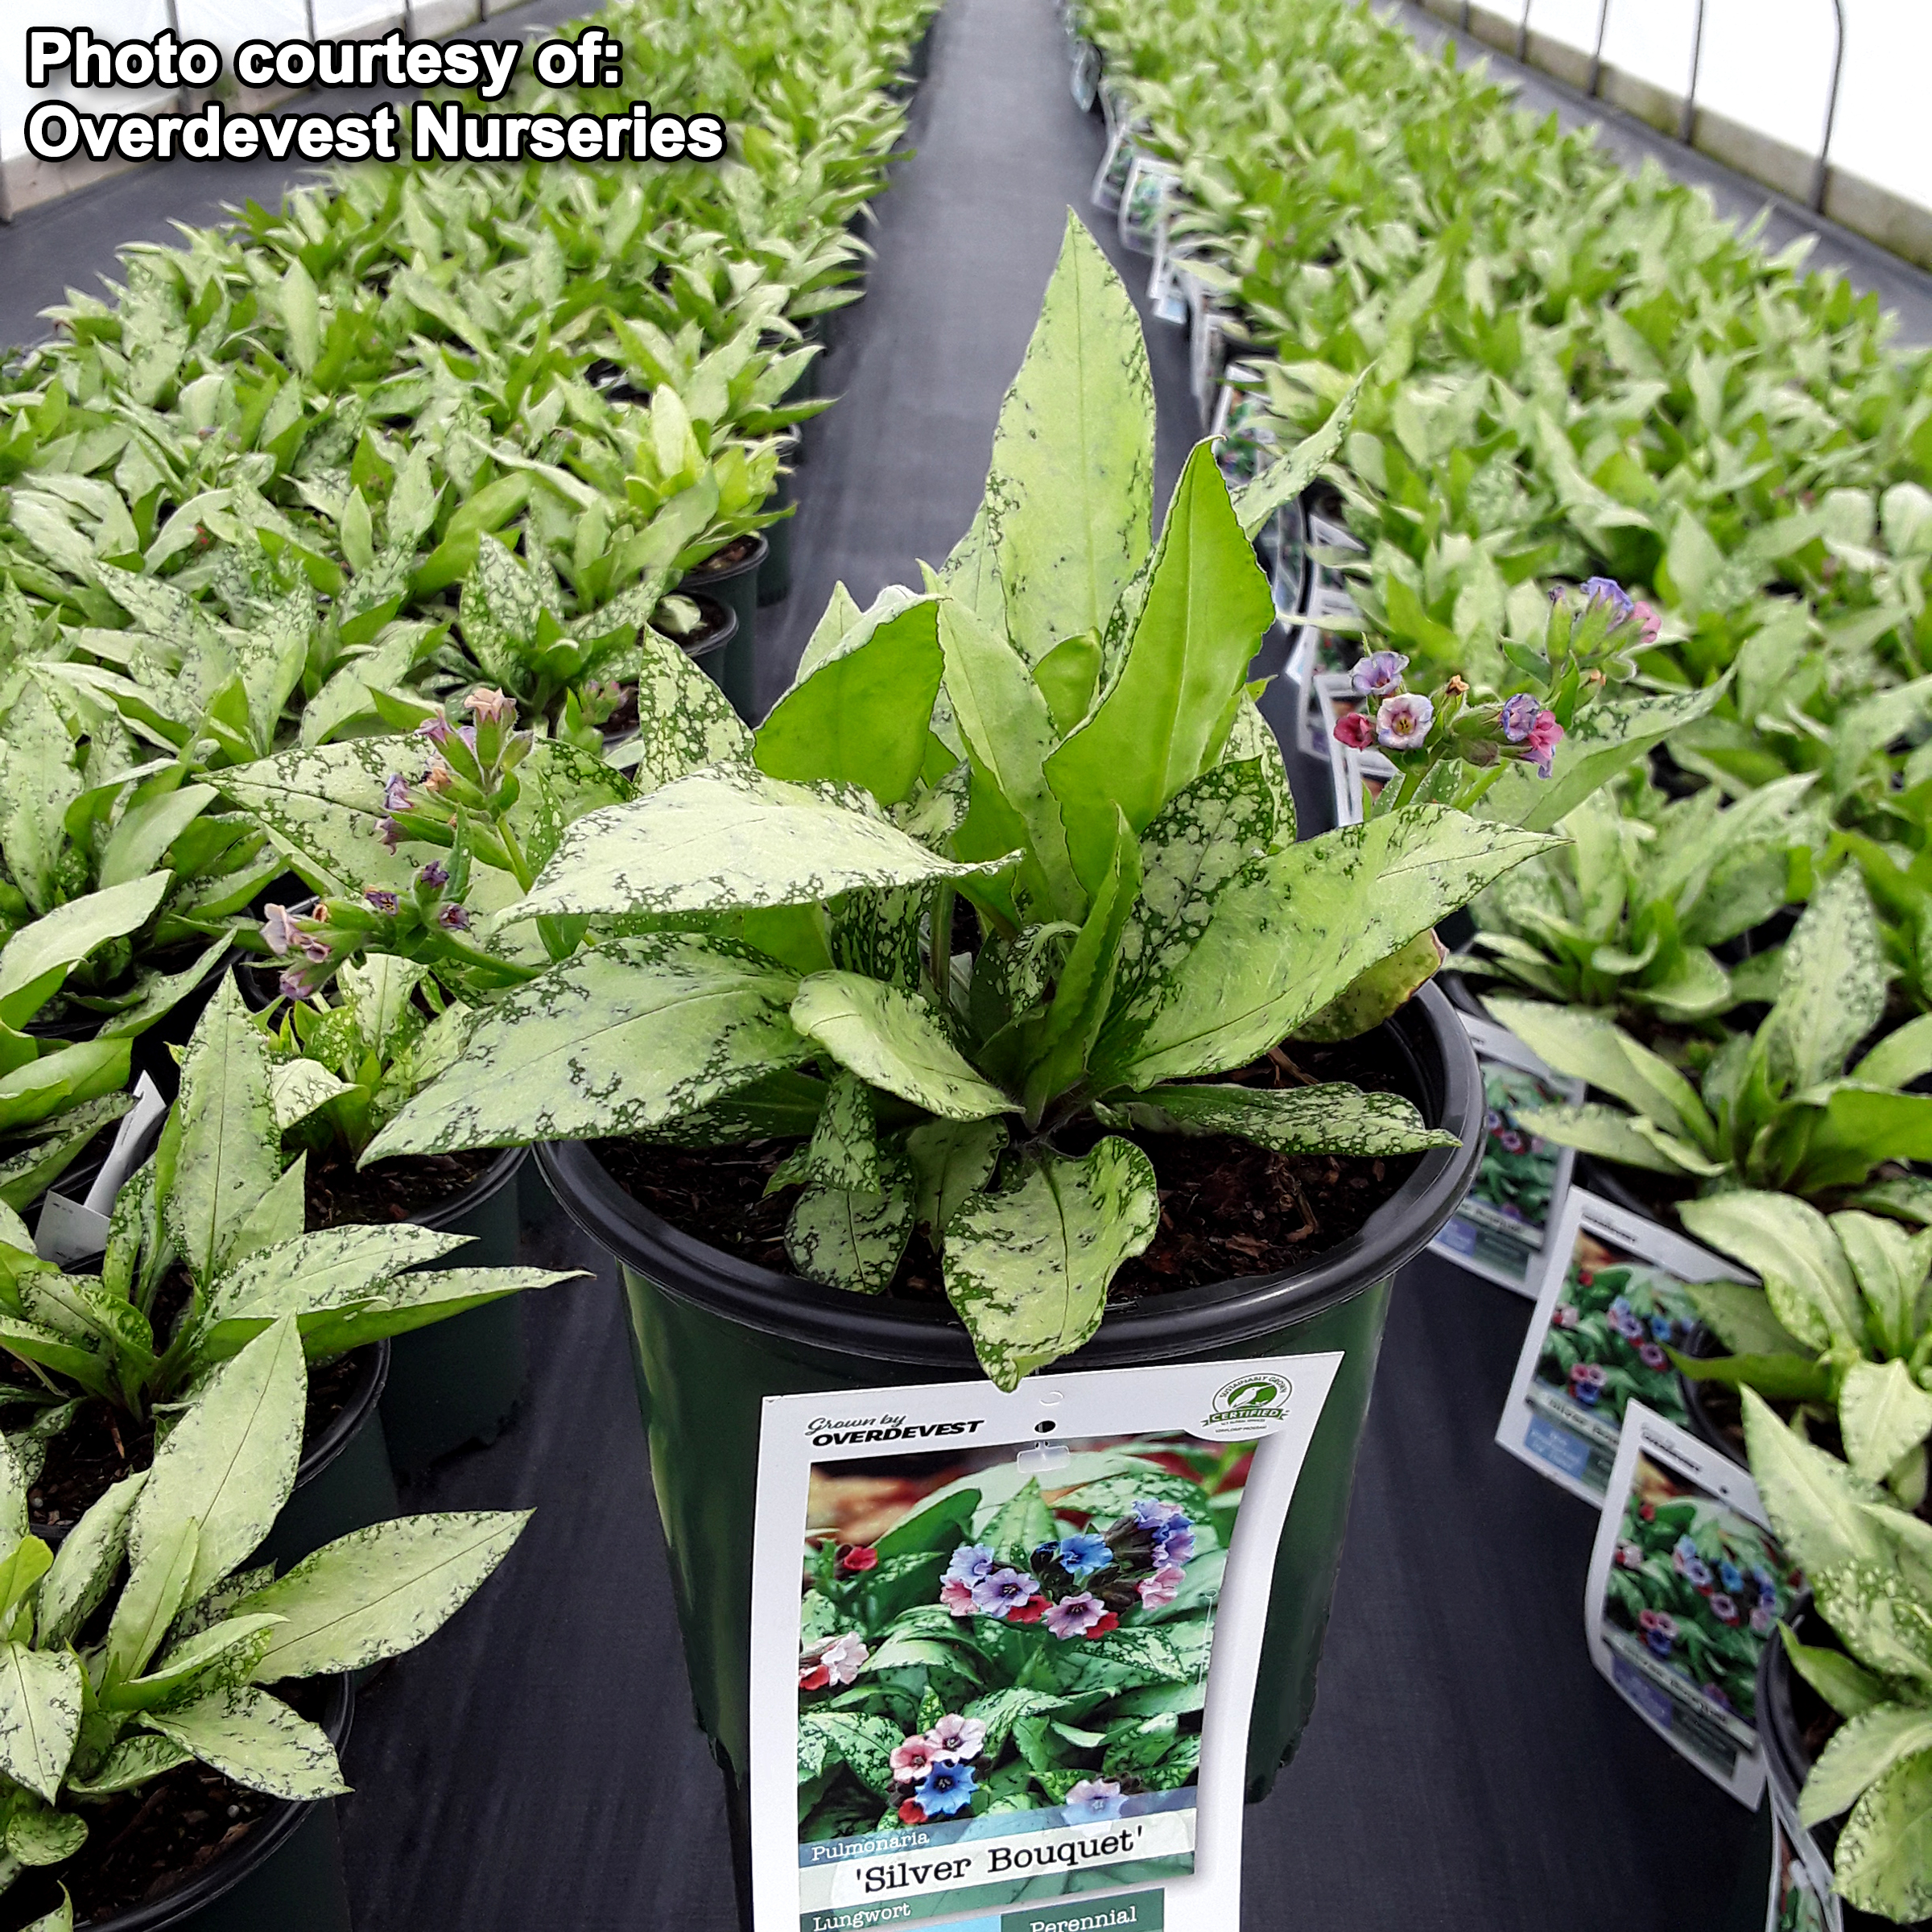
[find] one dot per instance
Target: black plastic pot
(1788, 1761)
(344, 1482)
(735, 587)
(1702, 1344)
(775, 573)
(285, 1876)
(715, 1335)
(459, 1381)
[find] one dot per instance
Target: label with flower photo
(1500, 1229)
(1687, 1585)
(1616, 1297)
(1005, 1646)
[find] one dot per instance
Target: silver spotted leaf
(844, 1151)
(40, 1693)
(256, 1740)
(620, 1039)
(684, 720)
(896, 1041)
(1027, 1269)
(850, 1239)
(950, 1160)
(1333, 1118)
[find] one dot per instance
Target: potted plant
(341, 1063)
(1785, 1107)
(1001, 919)
(207, 1247)
(1841, 1329)
(1846, 1698)
(137, 1654)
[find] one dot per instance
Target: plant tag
(1687, 1586)
(1801, 1897)
(1612, 1299)
(1086, 78)
(68, 1229)
(1110, 178)
(1500, 1229)
(1144, 200)
(1004, 1647)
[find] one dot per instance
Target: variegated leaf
(620, 1039)
(1859, 1753)
(1883, 1414)
(1377, 994)
(37, 957)
(951, 1160)
(1795, 1252)
(1812, 1498)
(844, 1147)
(731, 838)
(377, 1591)
(133, 1762)
(226, 1652)
(300, 1087)
(86, 1562)
(1332, 1119)
(876, 933)
(1883, 1863)
(849, 1238)
(1832, 991)
(325, 1270)
(684, 720)
(1027, 1269)
(40, 1693)
(256, 1740)
(38, 1836)
(895, 1041)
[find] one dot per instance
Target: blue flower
(947, 1789)
(1083, 1553)
(1609, 590)
(970, 1562)
(1730, 1576)
(1660, 1326)
(1173, 1545)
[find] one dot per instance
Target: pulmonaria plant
(147, 1640)
(1452, 744)
(1779, 1108)
(1870, 1570)
(1060, 734)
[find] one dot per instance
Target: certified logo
(1250, 1404)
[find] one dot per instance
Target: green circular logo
(1263, 1392)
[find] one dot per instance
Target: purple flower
(1403, 722)
(1380, 674)
(957, 1736)
(1651, 1356)
(1518, 714)
(1083, 1553)
(1546, 734)
(434, 729)
(1095, 1798)
(1607, 590)
(1763, 1619)
(1151, 1514)
(1075, 1615)
(390, 833)
(970, 1562)
(278, 930)
(1158, 1590)
(1172, 1545)
(949, 1788)
(453, 917)
(299, 982)
(1660, 1630)
(1000, 1591)
(383, 902)
(395, 794)
(434, 876)
(1724, 1608)
(1587, 1381)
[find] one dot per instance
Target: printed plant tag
(1005, 1646)
(1149, 184)
(1801, 1897)
(1687, 1584)
(1499, 1230)
(1614, 1297)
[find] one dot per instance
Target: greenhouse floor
(535, 1765)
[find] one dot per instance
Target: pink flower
(832, 1660)
(1157, 1590)
(278, 930)
(1546, 734)
(1075, 1615)
(957, 1736)
(1651, 621)
(912, 1759)
(1403, 722)
(1356, 729)
(855, 1559)
(957, 1597)
(490, 707)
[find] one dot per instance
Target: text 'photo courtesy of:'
(934, 933)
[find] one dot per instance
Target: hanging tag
(68, 1229)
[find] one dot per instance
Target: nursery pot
(775, 573)
(344, 1481)
(735, 585)
(287, 1873)
(1701, 1343)
(714, 1334)
(458, 1382)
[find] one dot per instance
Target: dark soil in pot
(156, 1853)
(104, 1443)
(1228, 1208)
(399, 1190)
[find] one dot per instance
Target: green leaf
(87, 1563)
(1616, 1136)
(256, 1740)
(1883, 1414)
(851, 1238)
(60, 1919)
(1900, 1058)
(149, 826)
(378, 1592)
(226, 1652)
(1891, 1266)
(302, 316)
(951, 1160)
(1027, 1268)
(1881, 1617)
(1334, 1118)
(895, 1041)
(37, 957)
(1847, 1687)
(1166, 716)
(863, 714)
(730, 838)
(39, 1837)
(1376, 995)
(325, 1270)
(1884, 1860)
(1833, 988)
(40, 1695)
(69, 1077)
(1284, 480)
(1069, 497)
(1812, 1498)
(1793, 1250)
(133, 1762)
(1741, 1318)
(1858, 1754)
(865, 1743)
(844, 1148)
(1279, 947)
(684, 720)
(231, 1152)
(227, 1467)
(621, 1038)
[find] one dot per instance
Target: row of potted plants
(1547, 360)
(425, 432)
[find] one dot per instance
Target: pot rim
(360, 1405)
(1783, 1745)
(178, 1906)
(491, 1181)
(698, 577)
(1160, 1328)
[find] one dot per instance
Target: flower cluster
(832, 1662)
(1521, 728)
(938, 1763)
(1080, 1584)
(421, 922)
(471, 769)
